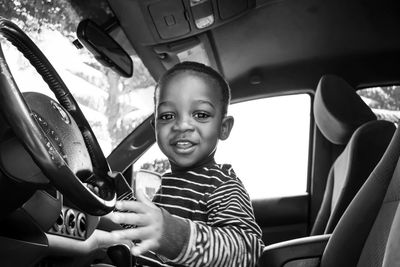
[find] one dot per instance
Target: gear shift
(121, 256)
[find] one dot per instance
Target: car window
(113, 105)
(268, 146)
(384, 101)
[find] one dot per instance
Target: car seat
(367, 234)
(344, 119)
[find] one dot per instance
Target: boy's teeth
(182, 143)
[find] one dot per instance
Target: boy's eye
(167, 116)
(201, 115)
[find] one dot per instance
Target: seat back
(344, 119)
(368, 232)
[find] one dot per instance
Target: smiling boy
(201, 215)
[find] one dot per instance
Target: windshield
(113, 105)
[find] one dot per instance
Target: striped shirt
(222, 224)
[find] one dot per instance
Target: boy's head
(208, 73)
(191, 102)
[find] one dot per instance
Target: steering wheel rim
(36, 141)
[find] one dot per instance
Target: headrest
(339, 110)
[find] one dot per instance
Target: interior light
(204, 22)
(196, 2)
(202, 12)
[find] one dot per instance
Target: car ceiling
(279, 46)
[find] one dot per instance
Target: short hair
(199, 69)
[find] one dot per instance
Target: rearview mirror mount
(104, 48)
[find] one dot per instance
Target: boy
(201, 215)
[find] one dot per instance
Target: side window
(268, 146)
(384, 101)
(153, 160)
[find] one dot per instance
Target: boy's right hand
(147, 218)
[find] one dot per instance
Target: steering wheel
(58, 137)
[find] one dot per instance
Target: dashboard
(47, 229)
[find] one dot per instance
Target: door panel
(282, 218)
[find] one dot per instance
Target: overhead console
(170, 20)
(165, 32)
(178, 18)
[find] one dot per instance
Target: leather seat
(368, 233)
(345, 120)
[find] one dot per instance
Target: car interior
(60, 175)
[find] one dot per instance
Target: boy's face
(189, 120)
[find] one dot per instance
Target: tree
(34, 16)
(383, 97)
(158, 165)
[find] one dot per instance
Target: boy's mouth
(183, 146)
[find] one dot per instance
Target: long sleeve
(231, 236)
(210, 219)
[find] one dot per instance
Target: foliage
(382, 97)
(160, 166)
(55, 14)
(34, 16)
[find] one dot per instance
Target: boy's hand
(148, 220)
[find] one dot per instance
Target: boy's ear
(226, 127)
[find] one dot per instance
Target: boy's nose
(183, 124)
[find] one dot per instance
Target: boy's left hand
(147, 218)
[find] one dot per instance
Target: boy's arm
(175, 237)
(231, 236)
